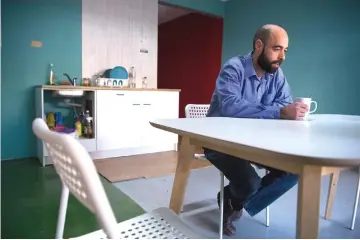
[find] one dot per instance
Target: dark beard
(266, 65)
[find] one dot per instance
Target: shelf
(88, 143)
(82, 138)
(93, 88)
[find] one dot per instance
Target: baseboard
(131, 151)
(122, 152)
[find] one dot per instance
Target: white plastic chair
(334, 178)
(200, 111)
(78, 174)
(352, 227)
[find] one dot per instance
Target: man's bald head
(266, 31)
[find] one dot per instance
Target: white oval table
(306, 148)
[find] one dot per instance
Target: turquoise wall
(57, 23)
(214, 7)
(0, 71)
(323, 51)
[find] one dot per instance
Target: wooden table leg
(309, 191)
(184, 161)
(331, 194)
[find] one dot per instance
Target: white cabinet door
(118, 117)
(167, 106)
(150, 134)
(163, 105)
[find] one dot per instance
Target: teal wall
(214, 7)
(323, 50)
(0, 72)
(321, 62)
(57, 23)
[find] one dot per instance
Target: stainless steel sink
(69, 93)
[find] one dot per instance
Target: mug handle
(314, 108)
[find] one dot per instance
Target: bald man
(253, 86)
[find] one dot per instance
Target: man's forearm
(245, 109)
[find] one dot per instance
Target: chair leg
(62, 212)
(267, 223)
(267, 216)
(356, 203)
(222, 180)
(334, 178)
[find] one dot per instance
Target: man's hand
(294, 111)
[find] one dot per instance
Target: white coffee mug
(308, 102)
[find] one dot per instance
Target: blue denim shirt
(240, 93)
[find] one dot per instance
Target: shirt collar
(250, 70)
(249, 67)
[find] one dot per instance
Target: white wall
(113, 31)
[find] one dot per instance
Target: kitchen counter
(121, 118)
(70, 87)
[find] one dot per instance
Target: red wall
(189, 57)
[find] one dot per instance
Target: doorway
(189, 53)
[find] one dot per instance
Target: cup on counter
(120, 83)
(110, 82)
(101, 82)
(124, 83)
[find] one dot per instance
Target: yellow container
(78, 128)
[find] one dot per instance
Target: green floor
(30, 196)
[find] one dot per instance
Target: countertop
(70, 87)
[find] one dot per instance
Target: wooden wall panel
(113, 31)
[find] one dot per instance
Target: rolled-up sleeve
(232, 102)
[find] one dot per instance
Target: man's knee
(290, 177)
(293, 179)
(244, 188)
(276, 175)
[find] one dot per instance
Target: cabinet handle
(136, 104)
(147, 104)
(120, 94)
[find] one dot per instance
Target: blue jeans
(247, 189)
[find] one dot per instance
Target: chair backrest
(78, 173)
(196, 110)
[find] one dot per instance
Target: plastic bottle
(88, 127)
(132, 78)
(52, 77)
(78, 127)
(144, 82)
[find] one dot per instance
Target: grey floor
(201, 211)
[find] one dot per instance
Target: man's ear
(259, 45)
